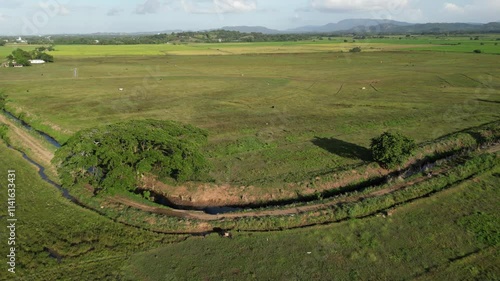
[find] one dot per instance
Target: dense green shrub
(355, 50)
(115, 157)
(477, 51)
(392, 149)
(20, 56)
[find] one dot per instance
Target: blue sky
(33, 17)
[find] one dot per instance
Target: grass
(460, 44)
(90, 246)
(409, 244)
(274, 117)
(263, 111)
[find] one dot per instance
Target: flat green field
(431, 239)
(276, 113)
(272, 118)
(450, 235)
(487, 43)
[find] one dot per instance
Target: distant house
(37, 61)
(20, 40)
(14, 64)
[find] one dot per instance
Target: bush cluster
(116, 157)
(392, 149)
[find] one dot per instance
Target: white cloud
(219, 6)
(148, 7)
(64, 11)
(477, 11)
(340, 6)
(453, 8)
(235, 6)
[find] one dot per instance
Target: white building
(37, 61)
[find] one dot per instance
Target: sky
(41, 17)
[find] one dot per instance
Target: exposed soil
(281, 212)
(27, 141)
(211, 195)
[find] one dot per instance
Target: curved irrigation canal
(231, 211)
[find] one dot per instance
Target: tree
(392, 149)
(20, 57)
(355, 50)
(116, 157)
(2, 43)
(46, 57)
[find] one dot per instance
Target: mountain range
(374, 26)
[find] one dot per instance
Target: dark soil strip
(371, 85)
(477, 81)
(54, 254)
(342, 86)
(313, 84)
(445, 81)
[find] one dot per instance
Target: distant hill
(429, 28)
(346, 25)
(250, 29)
(375, 26)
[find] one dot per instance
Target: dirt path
(198, 215)
(27, 141)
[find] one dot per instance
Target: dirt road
(28, 142)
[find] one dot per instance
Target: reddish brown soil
(211, 195)
(281, 212)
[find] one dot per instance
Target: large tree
(117, 156)
(392, 149)
(20, 57)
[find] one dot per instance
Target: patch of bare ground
(197, 215)
(211, 195)
(29, 143)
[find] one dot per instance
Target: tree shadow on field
(343, 149)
